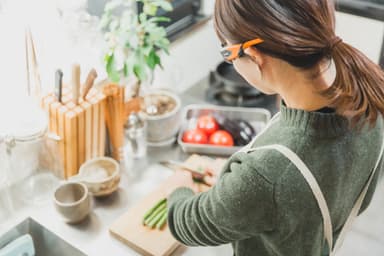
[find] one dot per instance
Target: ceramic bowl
(101, 176)
(72, 202)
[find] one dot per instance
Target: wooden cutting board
(130, 230)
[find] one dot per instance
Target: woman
(331, 118)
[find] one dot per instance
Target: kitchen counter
(138, 179)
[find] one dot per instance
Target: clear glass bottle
(135, 137)
(29, 158)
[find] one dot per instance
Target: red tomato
(207, 124)
(221, 138)
(195, 136)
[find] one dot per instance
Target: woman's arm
(239, 206)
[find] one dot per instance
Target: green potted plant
(134, 43)
(134, 40)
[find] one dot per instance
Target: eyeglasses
(232, 52)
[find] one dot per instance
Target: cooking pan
(226, 77)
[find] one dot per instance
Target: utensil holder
(80, 127)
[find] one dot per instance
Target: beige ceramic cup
(72, 201)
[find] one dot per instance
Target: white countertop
(92, 235)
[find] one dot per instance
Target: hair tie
(334, 42)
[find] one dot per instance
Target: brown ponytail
(358, 89)
(302, 33)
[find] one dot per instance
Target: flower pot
(164, 126)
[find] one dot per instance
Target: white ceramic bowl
(72, 202)
(101, 176)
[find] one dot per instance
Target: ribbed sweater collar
(315, 123)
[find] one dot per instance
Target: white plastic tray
(257, 117)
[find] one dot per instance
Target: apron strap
(316, 190)
(355, 211)
(273, 120)
(311, 180)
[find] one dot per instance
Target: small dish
(72, 202)
(101, 176)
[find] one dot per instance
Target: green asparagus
(155, 213)
(157, 218)
(150, 212)
(162, 221)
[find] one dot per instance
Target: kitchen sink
(46, 242)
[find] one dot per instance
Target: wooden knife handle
(75, 83)
(92, 75)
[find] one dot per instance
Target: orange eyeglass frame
(232, 52)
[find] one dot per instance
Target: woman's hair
(302, 33)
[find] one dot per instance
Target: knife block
(80, 128)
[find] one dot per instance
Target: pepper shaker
(136, 136)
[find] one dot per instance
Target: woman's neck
(300, 92)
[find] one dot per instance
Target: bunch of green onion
(157, 215)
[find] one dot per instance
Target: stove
(227, 88)
(199, 94)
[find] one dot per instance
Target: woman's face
(253, 68)
(253, 73)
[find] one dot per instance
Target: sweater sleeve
(239, 206)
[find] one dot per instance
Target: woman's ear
(255, 55)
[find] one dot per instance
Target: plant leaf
(113, 74)
(165, 5)
(125, 70)
(153, 59)
(159, 19)
(150, 9)
(139, 72)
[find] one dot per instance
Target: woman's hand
(182, 179)
(211, 176)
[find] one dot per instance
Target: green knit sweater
(263, 205)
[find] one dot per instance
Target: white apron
(311, 180)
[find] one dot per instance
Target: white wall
(193, 56)
(191, 59)
(364, 34)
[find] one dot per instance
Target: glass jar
(135, 137)
(29, 159)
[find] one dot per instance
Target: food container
(29, 156)
(257, 117)
(21, 142)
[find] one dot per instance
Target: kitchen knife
(89, 82)
(75, 83)
(58, 85)
(177, 166)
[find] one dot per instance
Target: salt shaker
(136, 136)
